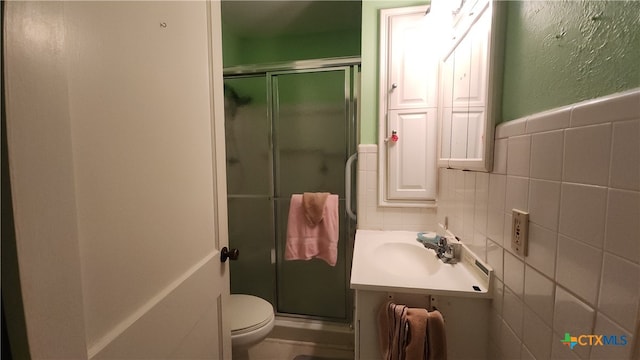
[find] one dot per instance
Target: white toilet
(252, 319)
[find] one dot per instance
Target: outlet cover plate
(520, 232)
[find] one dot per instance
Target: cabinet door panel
(461, 74)
(479, 38)
(412, 69)
(475, 133)
(459, 131)
(445, 133)
(411, 159)
(446, 82)
(468, 119)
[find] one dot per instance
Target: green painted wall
(289, 48)
(559, 53)
(244, 50)
(369, 71)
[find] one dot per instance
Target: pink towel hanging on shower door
(306, 241)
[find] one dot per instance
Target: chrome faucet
(444, 250)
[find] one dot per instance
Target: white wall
(576, 170)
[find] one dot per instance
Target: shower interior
(289, 129)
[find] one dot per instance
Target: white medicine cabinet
(408, 107)
(439, 94)
(470, 82)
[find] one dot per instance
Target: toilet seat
(252, 318)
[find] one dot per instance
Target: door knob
(232, 254)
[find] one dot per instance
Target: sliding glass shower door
(293, 137)
(250, 186)
(311, 130)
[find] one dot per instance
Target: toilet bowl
(252, 319)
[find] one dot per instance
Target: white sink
(402, 259)
(394, 261)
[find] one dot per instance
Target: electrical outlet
(520, 232)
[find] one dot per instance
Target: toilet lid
(248, 312)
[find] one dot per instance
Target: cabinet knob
(393, 138)
(394, 85)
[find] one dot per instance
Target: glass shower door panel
(251, 231)
(311, 126)
(247, 135)
(250, 186)
(311, 132)
(311, 287)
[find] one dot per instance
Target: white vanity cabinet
(393, 266)
(407, 108)
(469, 88)
(466, 322)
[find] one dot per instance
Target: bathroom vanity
(393, 265)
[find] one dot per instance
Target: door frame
(351, 66)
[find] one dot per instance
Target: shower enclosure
(289, 129)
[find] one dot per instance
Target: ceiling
(292, 17)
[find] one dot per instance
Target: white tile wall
(544, 203)
(374, 217)
(625, 160)
(587, 154)
(620, 290)
(578, 268)
(623, 227)
(576, 169)
(512, 310)
(537, 335)
(510, 343)
(538, 294)
(582, 212)
(546, 155)
(518, 155)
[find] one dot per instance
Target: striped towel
(411, 333)
(393, 331)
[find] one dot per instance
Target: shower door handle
(347, 185)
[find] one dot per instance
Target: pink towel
(305, 241)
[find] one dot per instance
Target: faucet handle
(448, 252)
(443, 242)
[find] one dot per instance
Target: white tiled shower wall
(576, 170)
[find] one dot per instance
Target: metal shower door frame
(351, 90)
(351, 68)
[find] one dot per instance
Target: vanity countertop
(394, 261)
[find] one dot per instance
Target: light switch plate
(520, 232)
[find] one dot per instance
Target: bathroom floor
(280, 349)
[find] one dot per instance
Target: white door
(116, 151)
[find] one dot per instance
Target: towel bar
(410, 301)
